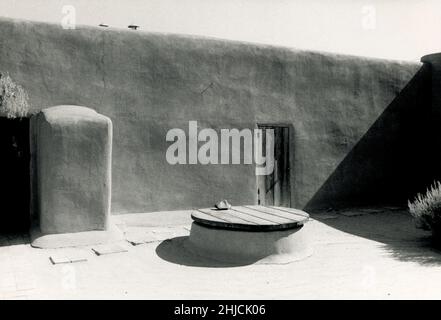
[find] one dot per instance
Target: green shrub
(426, 209)
(13, 98)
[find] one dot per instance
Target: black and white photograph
(204, 151)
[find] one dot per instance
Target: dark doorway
(14, 175)
(275, 188)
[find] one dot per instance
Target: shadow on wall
(391, 162)
(395, 159)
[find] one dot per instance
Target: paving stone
(5, 267)
(13, 296)
(108, 249)
(394, 208)
(20, 260)
(140, 235)
(67, 258)
(19, 297)
(8, 290)
(77, 259)
(26, 285)
(372, 210)
(352, 213)
(23, 276)
(25, 268)
(324, 216)
(7, 280)
(58, 259)
(361, 211)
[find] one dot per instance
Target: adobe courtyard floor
(359, 253)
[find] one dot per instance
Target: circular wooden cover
(251, 218)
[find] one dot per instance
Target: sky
(392, 29)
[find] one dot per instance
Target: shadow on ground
(395, 229)
(178, 250)
(391, 162)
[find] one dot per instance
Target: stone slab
(352, 213)
(324, 216)
(108, 249)
(64, 258)
(140, 235)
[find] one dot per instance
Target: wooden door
(274, 188)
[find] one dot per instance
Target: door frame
(291, 156)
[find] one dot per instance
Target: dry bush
(426, 209)
(13, 98)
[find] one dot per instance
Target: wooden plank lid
(251, 218)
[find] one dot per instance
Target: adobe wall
(354, 119)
